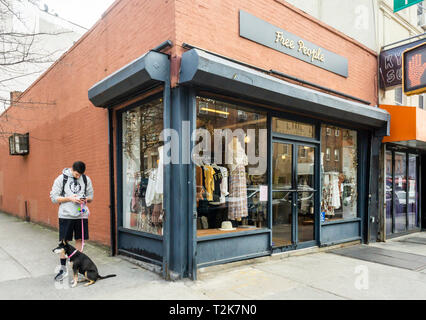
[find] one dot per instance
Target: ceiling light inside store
(216, 111)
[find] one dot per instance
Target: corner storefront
(230, 161)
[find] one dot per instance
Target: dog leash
(82, 210)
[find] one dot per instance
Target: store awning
(149, 70)
(205, 69)
(407, 126)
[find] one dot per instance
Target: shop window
(293, 127)
(142, 168)
(339, 177)
(231, 168)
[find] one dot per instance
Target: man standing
(72, 190)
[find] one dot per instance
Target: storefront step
(145, 265)
(210, 271)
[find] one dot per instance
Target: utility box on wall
(19, 144)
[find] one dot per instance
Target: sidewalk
(27, 268)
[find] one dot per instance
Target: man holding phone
(72, 190)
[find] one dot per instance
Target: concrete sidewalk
(27, 268)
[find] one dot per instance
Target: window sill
(218, 234)
(340, 221)
(140, 233)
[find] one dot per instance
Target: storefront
(402, 190)
(252, 165)
(403, 153)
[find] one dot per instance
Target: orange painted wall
(407, 123)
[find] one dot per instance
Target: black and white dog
(80, 264)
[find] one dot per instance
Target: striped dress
(237, 205)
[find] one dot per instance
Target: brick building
(260, 65)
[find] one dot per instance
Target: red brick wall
(69, 127)
(214, 25)
(64, 126)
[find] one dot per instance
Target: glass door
(305, 186)
(293, 193)
(402, 213)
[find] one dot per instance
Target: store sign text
(314, 54)
(264, 33)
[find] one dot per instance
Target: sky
(82, 12)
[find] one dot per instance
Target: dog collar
(69, 257)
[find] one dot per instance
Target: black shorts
(70, 227)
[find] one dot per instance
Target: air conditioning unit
(19, 144)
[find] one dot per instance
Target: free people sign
(402, 4)
(264, 33)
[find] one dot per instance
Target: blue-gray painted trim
(167, 178)
(139, 257)
(233, 235)
(140, 233)
(192, 203)
(264, 33)
(332, 243)
(341, 221)
(343, 231)
(200, 68)
(146, 71)
(229, 248)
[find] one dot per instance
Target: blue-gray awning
(149, 70)
(207, 70)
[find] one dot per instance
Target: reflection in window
(400, 193)
(293, 127)
(327, 154)
(142, 168)
(413, 217)
(230, 196)
(339, 177)
(336, 154)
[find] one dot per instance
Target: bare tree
(22, 53)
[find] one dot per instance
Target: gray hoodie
(69, 210)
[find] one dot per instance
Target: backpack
(65, 181)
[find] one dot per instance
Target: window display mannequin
(237, 207)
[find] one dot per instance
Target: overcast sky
(82, 12)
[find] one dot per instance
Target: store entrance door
(293, 194)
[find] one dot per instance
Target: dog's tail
(108, 276)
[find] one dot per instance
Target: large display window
(231, 167)
(143, 168)
(339, 172)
